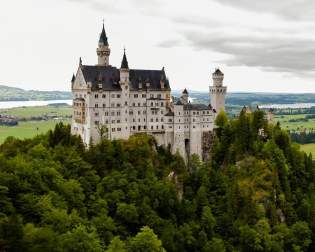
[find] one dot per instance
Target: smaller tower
(124, 69)
(184, 97)
(103, 50)
(218, 91)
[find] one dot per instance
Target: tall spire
(103, 38)
(124, 63)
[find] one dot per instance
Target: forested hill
(256, 194)
(18, 94)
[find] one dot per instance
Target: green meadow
(28, 129)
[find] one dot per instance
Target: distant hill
(242, 99)
(17, 94)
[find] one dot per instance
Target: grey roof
(185, 91)
(124, 62)
(109, 77)
(103, 38)
(179, 103)
(153, 77)
(218, 72)
(190, 106)
(73, 78)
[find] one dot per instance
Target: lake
(16, 104)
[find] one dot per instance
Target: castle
(128, 101)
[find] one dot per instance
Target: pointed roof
(124, 62)
(73, 78)
(218, 72)
(185, 91)
(103, 38)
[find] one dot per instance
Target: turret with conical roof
(124, 70)
(184, 97)
(124, 62)
(103, 50)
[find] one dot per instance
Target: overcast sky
(265, 46)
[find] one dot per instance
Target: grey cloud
(170, 43)
(291, 9)
(270, 53)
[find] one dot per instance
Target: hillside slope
(17, 94)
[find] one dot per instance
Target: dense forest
(256, 193)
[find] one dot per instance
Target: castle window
(157, 120)
(118, 113)
(151, 104)
(113, 95)
(144, 119)
(139, 127)
(162, 120)
(118, 96)
(134, 127)
(151, 127)
(169, 120)
(113, 130)
(134, 120)
(144, 95)
(144, 127)
(96, 114)
(194, 113)
(118, 129)
(96, 105)
(106, 121)
(96, 122)
(126, 103)
(162, 126)
(162, 104)
(133, 104)
(138, 112)
(104, 105)
(144, 104)
(106, 113)
(113, 121)
(170, 127)
(96, 96)
(103, 95)
(112, 113)
(139, 104)
(159, 96)
(157, 127)
(151, 95)
(135, 95)
(118, 121)
(118, 104)
(151, 119)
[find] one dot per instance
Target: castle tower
(124, 69)
(184, 97)
(103, 50)
(124, 84)
(218, 91)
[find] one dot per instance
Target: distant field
(285, 124)
(38, 111)
(27, 129)
(309, 148)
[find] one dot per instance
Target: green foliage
(255, 194)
